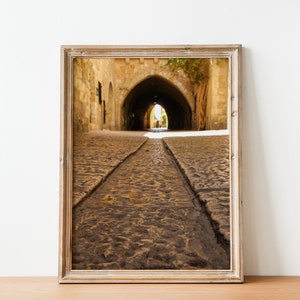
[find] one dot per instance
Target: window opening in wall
(99, 92)
(104, 112)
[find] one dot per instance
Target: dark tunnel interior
(156, 90)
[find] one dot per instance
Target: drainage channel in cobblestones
(143, 216)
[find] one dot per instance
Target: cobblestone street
(205, 162)
(96, 155)
(144, 214)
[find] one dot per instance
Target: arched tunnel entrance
(156, 117)
(156, 90)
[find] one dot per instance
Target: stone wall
(131, 71)
(90, 113)
(217, 95)
(117, 77)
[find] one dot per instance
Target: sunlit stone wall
(217, 95)
(117, 77)
(88, 110)
(131, 71)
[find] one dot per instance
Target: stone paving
(143, 216)
(205, 162)
(96, 155)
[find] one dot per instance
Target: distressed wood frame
(232, 275)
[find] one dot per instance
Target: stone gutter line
(104, 178)
(182, 172)
(187, 183)
(215, 225)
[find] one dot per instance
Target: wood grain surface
(48, 288)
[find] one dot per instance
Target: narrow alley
(145, 216)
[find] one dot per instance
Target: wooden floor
(283, 288)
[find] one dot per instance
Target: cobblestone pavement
(205, 162)
(96, 155)
(145, 217)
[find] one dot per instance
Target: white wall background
(31, 33)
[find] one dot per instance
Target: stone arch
(149, 118)
(152, 90)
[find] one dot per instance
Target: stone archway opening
(156, 117)
(152, 91)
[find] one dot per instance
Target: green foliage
(195, 68)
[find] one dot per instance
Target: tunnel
(156, 90)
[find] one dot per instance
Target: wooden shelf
(48, 288)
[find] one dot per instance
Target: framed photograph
(150, 164)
